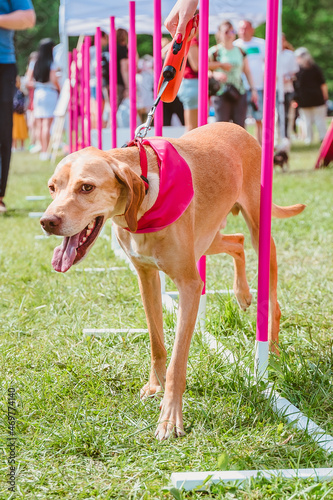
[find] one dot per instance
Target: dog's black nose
(50, 223)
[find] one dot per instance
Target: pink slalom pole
(113, 82)
(132, 67)
(82, 87)
(98, 46)
(70, 104)
(203, 94)
(203, 62)
(157, 53)
(75, 99)
(266, 186)
(87, 118)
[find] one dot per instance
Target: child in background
(20, 129)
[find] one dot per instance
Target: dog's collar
(143, 160)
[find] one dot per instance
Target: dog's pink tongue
(64, 255)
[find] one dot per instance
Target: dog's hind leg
(251, 216)
(150, 289)
(233, 244)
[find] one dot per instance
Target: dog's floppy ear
(135, 195)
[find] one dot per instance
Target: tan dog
(91, 186)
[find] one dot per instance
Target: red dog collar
(143, 161)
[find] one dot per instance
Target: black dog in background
(281, 159)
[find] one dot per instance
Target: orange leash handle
(174, 65)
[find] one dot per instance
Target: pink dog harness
(176, 188)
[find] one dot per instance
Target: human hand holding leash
(179, 17)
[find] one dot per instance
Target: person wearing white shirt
(254, 48)
(288, 67)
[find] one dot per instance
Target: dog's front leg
(150, 289)
(171, 417)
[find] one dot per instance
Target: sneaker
(44, 156)
(3, 207)
(35, 148)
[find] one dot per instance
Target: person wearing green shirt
(227, 64)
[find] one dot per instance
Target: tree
(47, 14)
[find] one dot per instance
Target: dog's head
(87, 188)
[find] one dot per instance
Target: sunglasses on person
(230, 31)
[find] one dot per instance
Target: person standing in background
(20, 129)
(34, 147)
(93, 77)
(188, 91)
(176, 106)
(42, 74)
(228, 63)
(122, 65)
(254, 48)
(311, 94)
(145, 86)
(14, 15)
(288, 67)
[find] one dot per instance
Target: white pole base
(261, 360)
(99, 269)
(104, 332)
(211, 292)
(191, 480)
(201, 316)
(279, 405)
(297, 419)
(169, 303)
(35, 198)
(225, 354)
(45, 236)
(227, 292)
(114, 242)
(35, 215)
(162, 280)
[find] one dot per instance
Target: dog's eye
(86, 188)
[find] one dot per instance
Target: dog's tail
(285, 212)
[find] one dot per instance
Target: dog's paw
(150, 390)
(170, 422)
(244, 298)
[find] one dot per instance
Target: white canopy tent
(81, 17)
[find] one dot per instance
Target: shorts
(188, 93)
(257, 115)
(45, 102)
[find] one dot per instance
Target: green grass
(82, 432)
